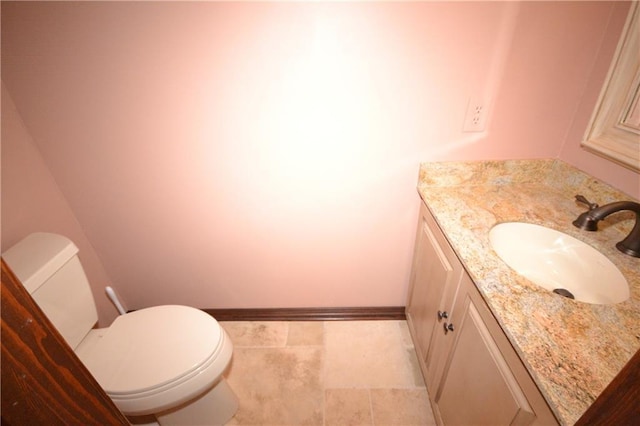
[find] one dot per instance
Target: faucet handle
(585, 221)
(582, 199)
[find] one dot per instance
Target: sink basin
(556, 261)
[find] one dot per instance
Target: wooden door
(43, 382)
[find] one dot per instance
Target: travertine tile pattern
(572, 349)
(305, 333)
(347, 407)
(257, 333)
(278, 386)
(326, 373)
(363, 354)
(400, 407)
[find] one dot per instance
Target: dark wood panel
(43, 382)
(619, 404)
(309, 314)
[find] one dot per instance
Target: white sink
(554, 260)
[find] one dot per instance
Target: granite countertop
(571, 349)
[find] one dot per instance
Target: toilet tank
(49, 268)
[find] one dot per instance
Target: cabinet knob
(447, 327)
(442, 314)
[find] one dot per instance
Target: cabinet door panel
(434, 273)
(435, 277)
(478, 387)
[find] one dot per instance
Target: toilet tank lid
(38, 256)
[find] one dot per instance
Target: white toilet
(165, 361)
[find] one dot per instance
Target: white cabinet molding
(614, 129)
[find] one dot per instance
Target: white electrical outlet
(475, 119)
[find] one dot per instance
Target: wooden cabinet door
(435, 277)
(478, 386)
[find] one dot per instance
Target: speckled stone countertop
(571, 349)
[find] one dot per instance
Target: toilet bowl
(165, 361)
(147, 364)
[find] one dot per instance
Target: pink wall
(622, 178)
(32, 202)
(265, 154)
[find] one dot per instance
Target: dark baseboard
(309, 314)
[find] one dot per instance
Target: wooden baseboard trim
(309, 314)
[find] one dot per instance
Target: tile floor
(326, 373)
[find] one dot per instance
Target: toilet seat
(156, 358)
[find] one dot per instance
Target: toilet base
(215, 407)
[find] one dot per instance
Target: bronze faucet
(589, 222)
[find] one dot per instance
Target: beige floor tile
(401, 407)
(257, 333)
(405, 333)
(315, 373)
(418, 380)
(278, 386)
(367, 354)
(414, 365)
(347, 407)
(306, 333)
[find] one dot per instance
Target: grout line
(323, 367)
(288, 332)
(373, 422)
(265, 346)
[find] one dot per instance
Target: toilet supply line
(114, 298)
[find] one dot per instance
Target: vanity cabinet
(473, 374)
